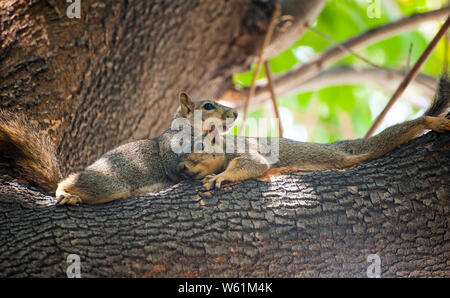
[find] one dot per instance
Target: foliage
(341, 112)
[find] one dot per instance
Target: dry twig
(411, 76)
(344, 48)
(294, 79)
(267, 37)
(273, 97)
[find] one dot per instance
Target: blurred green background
(343, 112)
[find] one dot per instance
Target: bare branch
(292, 80)
(273, 97)
(411, 76)
(344, 48)
(447, 40)
(273, 22)
(297, 14)
(423, 85)
(326, 58)
(408, 59)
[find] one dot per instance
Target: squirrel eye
(208, 107)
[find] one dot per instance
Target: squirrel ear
(186, 104)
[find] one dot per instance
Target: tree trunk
(323, 224)
(112, 76)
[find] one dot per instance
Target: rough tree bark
(301, 224)
(112, 76)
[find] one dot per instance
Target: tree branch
(268, 36)
(292, 79)
(316, 224)
(423, 85)
(273, 97)
(298, 15)
(409, 77)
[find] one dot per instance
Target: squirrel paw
(68, 199)
(440, 125)
(214, 180)
(209, 181)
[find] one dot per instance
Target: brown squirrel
(216, 167)
(138, 167)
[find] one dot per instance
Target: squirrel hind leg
(64, 192)
(90, 187)
(239, 169)
(67, 198)
(63, 195)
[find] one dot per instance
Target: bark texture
(321, 224)
(113, 75)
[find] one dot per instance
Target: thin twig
(408, 59)
(293, 80)
(411, 76)
(316, 64)
(344, 48)
(423, 85)
(447, 40)
(273, 97)
(267, 37)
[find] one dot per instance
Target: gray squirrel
(215, 167)
(138, 167)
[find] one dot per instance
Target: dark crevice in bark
(99, 81)
(300, 224)
(112, 76)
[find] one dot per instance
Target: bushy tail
(32, 153)
(440, 105)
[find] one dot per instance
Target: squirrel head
(206, 115)
(204, 157)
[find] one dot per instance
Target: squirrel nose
(235, 114)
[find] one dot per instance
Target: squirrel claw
(209, 181)
(219, 181)
(68, 199)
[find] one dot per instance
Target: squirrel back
(216, 167)
(137, 167)
(28, 152)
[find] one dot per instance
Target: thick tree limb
(112, 75)
(312, 224)
(123, 70)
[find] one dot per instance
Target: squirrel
(214, 167)
(138, 167)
